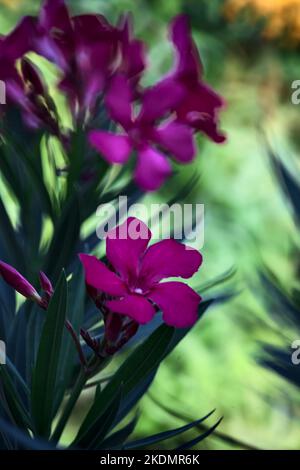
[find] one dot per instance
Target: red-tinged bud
(12, 277)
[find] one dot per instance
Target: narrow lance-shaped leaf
(65, 239)
(194, 442)
(117, 439)
(162, 436)
(101, 430)
(45, 373)
(19, 413)
(68, 354)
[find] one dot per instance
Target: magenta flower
(89, 50)
(133, 287)
(18, 282)
(145, 132)
(201, 104)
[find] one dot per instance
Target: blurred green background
(252, 62)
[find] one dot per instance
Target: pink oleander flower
(169, 114)
(132, 286)
(89, 50)
(146, 133)
(18, 282)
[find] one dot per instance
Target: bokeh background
(250, 49)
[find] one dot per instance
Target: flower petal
(115, 148)
(94, 83)
(200, 109)
(178, 302)
(54, 14)
(98, 275)
(189, 64)
(20, 40)
(55, 38)
(210, 128)
(178, 139)
(134, 60)
(48, 48)
(93, 28)
(161, 99)
(125, 246)
(133, 51)
(169, 258)
(134, 306)
(118, 100)
(152, 169)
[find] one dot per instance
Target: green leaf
(162, 436)
(117, 439)
(65, 240)
(290, 185)
(193, 442)
(8, 170)
(76, 158)
(22, 438)
(141, 362)
(68, 353)
(44, 378)
(140, 365)
(24, 147)
(36, 317)
(18, 412)
(18, 378)
(10, 240)
(96, 434)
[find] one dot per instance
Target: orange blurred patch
(282, 16)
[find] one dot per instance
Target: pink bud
(18, 282)
(46, 284)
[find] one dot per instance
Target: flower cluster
(129, 292)
(100, 63)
